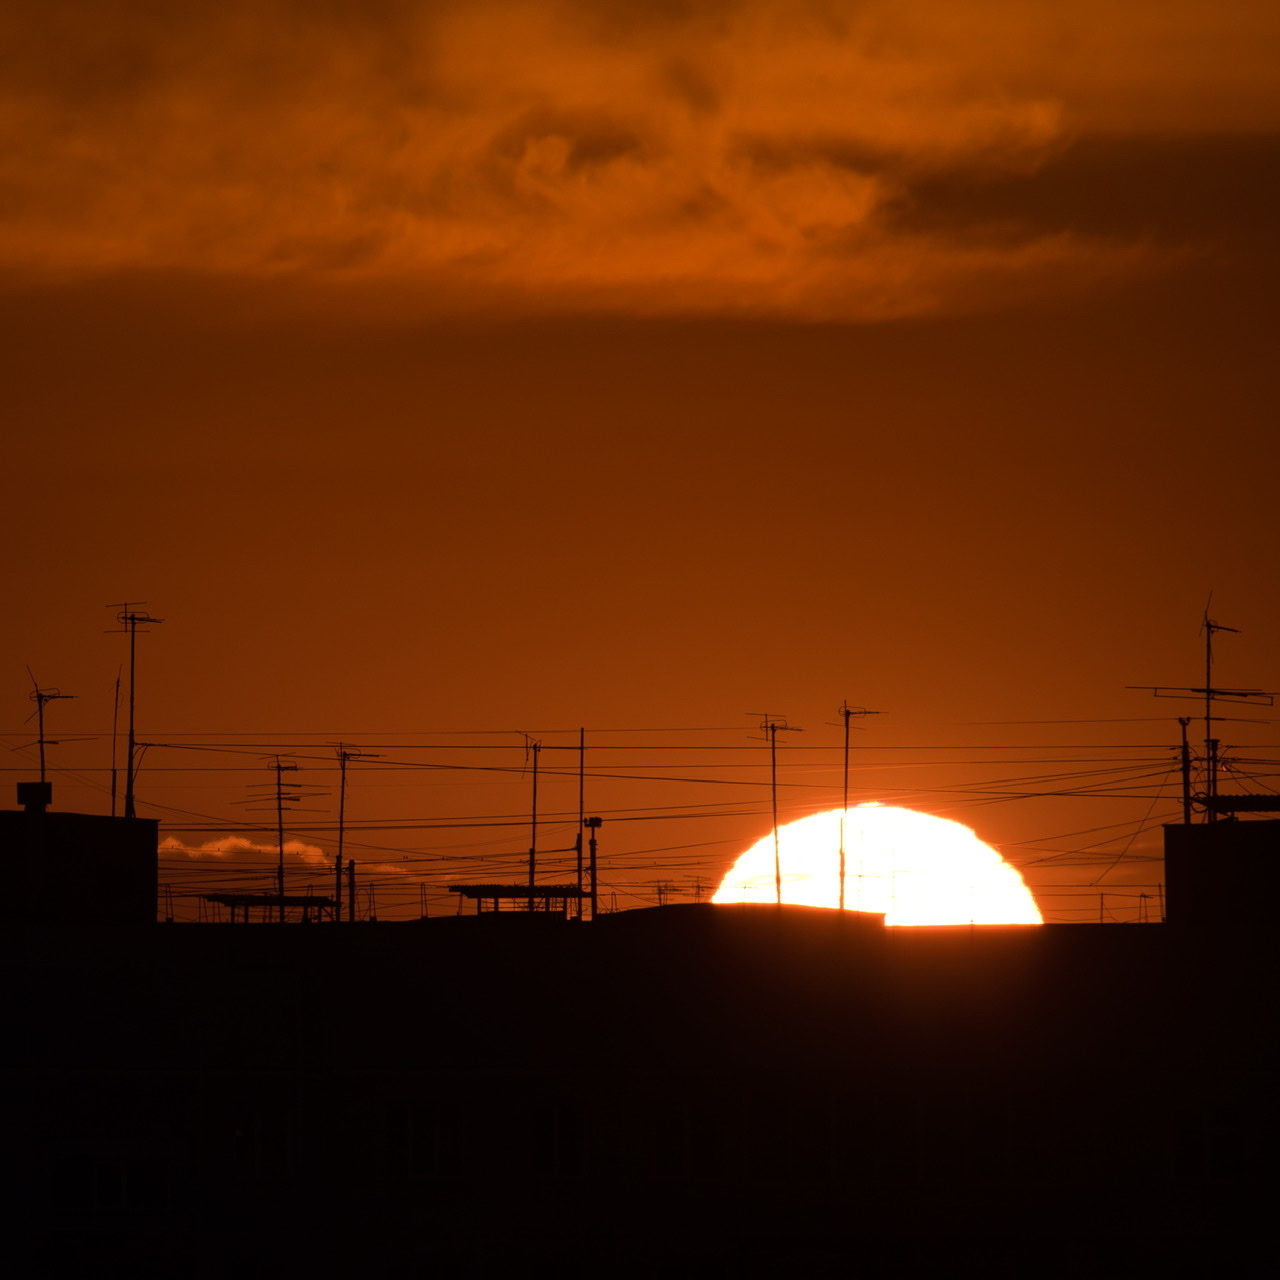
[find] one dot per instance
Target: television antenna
(42, 697)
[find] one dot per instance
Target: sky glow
(916, 868)
(629, 365)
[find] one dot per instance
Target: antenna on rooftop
(41, 697)
(771, 726)
(1210, 693)
(131, 617)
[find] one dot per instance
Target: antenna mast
(771, 726)
(847, 713)
(1211, 694)
(131, 618)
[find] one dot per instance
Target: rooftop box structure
(76, 868)
(1221, 874)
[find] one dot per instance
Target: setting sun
(914, 867)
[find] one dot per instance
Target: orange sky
(510, 366)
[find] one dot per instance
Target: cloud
(244, 852)
(739, 156)
(240, 852)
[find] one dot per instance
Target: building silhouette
(688, 1090)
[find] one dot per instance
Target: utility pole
(344, 754)
(342, 822)
(847, 713)
(281, 768)
(771, 726)
(131, 618)
(41, 697)
(536, 748)
(281, 793)
(351, 891)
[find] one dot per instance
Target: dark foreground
(686, 1091)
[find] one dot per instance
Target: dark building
(76, 868)
(1222, 874)
(680, 1091)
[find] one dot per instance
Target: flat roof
(519, 891)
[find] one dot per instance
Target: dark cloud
(1188, 191)
(821, 159)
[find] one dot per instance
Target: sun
(914, 867)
